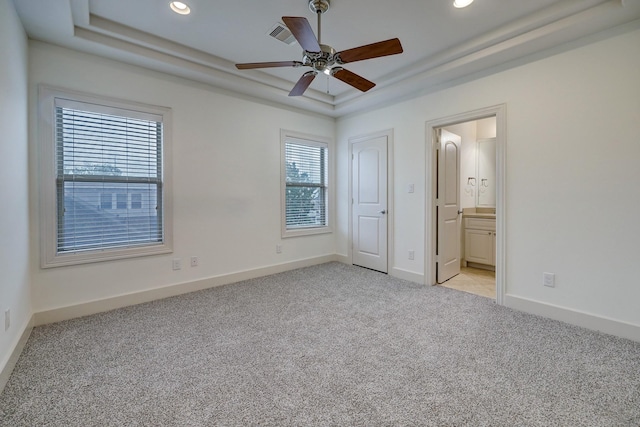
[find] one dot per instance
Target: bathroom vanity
(479, 237)
(479, 222)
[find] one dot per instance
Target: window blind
(108, 177)
(306, 184)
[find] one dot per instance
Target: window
(105, 201)
(102, 150)
(136, 201)
(305, 171)
(121, 201)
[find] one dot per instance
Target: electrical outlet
(410, 188)
(177, 264)
(278, 249)
(194, 261)
(7, 319)
(549, 279)
(412, 255)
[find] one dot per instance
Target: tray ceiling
(441, 44)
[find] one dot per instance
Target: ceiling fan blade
(374, 50)
(303, 83)
(301, 30)
(352, 79)
(251, 65)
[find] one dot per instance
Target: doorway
(371, 192)
(436, 206)
(466, 202)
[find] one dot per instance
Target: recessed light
(179, 7)
(462, 3)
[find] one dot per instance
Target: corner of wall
(344, 259)
(407, 275)
(6, 368)
(15, 281)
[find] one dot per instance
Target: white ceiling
(441, 43)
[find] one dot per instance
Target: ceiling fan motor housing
(320, 60)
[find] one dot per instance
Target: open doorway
(465, 202)
(474, 217)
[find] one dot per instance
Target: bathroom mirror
(486, 167)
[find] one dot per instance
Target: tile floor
(474, 281)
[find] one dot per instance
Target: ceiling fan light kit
(324, 58)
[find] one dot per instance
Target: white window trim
(309, 140)
(47, 180)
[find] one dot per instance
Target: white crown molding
(545, 30)
(112, 29)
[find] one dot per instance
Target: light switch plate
(549, 279)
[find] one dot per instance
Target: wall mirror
(486, 169)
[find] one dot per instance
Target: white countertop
(489, 213)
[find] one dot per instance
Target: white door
(448, 205)
(369, 192)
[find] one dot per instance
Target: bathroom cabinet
(480, 240)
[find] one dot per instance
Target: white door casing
(500, 113)
(369, 203)
(448, 205)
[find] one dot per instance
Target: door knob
(383, 212)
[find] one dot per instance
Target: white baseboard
(407, 275)
(480, 266)
(574, 317)
(18, 346)
(98, 306)
(344, 259)
(395, 272)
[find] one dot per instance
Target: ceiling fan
(324, 58)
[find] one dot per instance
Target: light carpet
(326, 345)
